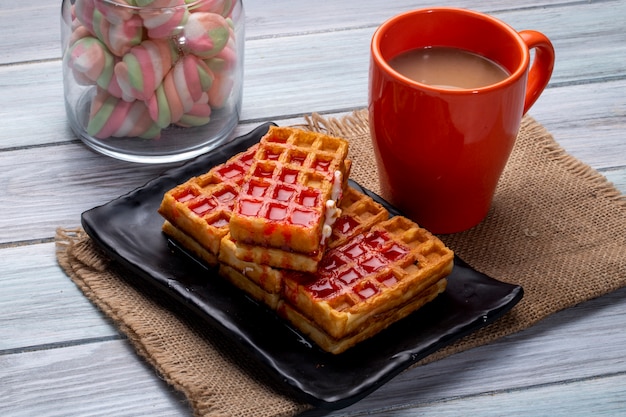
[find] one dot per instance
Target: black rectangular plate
(128, 229)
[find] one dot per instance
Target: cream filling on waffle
(332, 211)
(337, 186)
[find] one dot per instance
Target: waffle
(190, 244)
(260, 282)
(358, 213)
(403, 285)
(288, 200)
(368, 276)
(377, 324)
(276, 258)
(265, 277)
(263, 282)
(198, 211)
(241, 281)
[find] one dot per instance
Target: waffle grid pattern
(202, 206)
(359, 213)
(376, 271)
(282, 202)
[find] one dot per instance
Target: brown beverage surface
(450, 68)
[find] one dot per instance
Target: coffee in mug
(440, 151)
(450, 68)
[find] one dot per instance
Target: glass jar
(153, 81)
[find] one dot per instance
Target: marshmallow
(223, 66)
(154, 62)
(118, 37)
(193, 74)
(143, 68)
(220, 91)
(117, 11)
(182, 87)
(163, 18)
(92, 63)
(79, 31)
(199, 115)
(205, 34)
(110, 116)
(225, 60)
(83, 11)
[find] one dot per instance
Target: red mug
(440, 152)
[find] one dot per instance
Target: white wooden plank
(32, 106)
(40, 305)
(98, 379)
(268, 19)
(617, 177)
(338, 61)
(571, 36)
(33, 29)
(77, 173)
(588, 121)
(81, 179)
(603, 396)
(331, 75)
(34, 26)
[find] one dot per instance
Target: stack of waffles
(280, 222)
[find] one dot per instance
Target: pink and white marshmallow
(143, 68)
(92, 63)
(116, 11)
(182, 87)
(154, 62)
(118, 37)
(113, 117)
(199, 115)
(163, 18)
(205, 34)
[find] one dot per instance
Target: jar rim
(119, 3)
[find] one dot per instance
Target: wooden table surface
(59, 356)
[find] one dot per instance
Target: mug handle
(541, 69)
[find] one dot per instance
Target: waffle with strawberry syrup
(288, 201)
(359, 213)
(365, 284)
(197, 212)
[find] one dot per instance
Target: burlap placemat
(557, 228)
